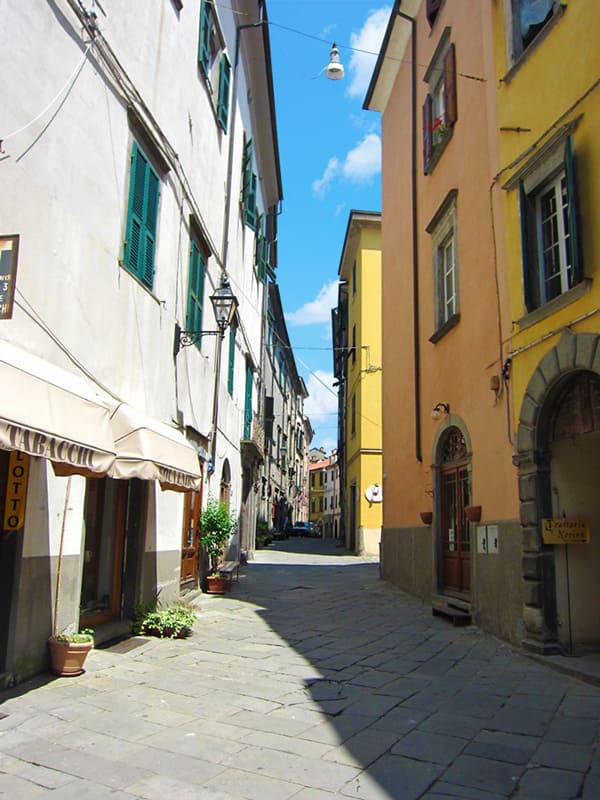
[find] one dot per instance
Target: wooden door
(190, 542)
(105, 516)
(455, 532)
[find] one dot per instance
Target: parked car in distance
(302, 528)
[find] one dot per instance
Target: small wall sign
(9, 254)
(565, 531)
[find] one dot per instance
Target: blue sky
(330, 153)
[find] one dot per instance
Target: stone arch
(573, 353)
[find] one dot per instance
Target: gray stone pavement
(313, 679)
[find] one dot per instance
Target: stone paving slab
(311, 680)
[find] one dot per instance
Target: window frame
(516, 47)
(197, 266)
(444, 229)
(439, 116)
(214, 63)
(557, 165)
(249, 183)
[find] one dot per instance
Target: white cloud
(321, 405)
(317, 310)
(369, 38)
(364, 161)
(331, 170)
(361, 164)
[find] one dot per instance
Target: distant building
(357, 367)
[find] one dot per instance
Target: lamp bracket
(187, 338)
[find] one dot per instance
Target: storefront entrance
(114, 518)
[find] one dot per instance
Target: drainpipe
(415, 230)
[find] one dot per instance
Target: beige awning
(152, 450)
(50, 413)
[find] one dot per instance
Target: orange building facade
(451, 532)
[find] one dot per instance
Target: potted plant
(217, 523)
(68, 652)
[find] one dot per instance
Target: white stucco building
(139, 168)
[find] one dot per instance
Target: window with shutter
(214, 63)
(231, 364)
(249, 185)
(248, 404)
(142, 217)
(223, 101)
(440, 111)
(550, 245)
(197, 272)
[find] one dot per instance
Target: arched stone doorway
(452, 490)
(225, 485)
(558, 458)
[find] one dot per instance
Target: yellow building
(547, 71)
(357, 367)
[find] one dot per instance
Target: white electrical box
(493, 534)
(482, 540)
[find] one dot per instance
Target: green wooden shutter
(204, 37)
(249, 185)
(223, 103)
(248, 404)
(574, 239)
(231, 366)
(135, 210)
(195, 301)
(151, 216)
(529, 278)
(142, 212)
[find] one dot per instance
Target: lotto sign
(16, 491)
(565, 531)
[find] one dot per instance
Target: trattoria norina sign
(44, 445)
(565, 531)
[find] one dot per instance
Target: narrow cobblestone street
(313, 679)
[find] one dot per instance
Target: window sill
(446, 327)
(548, 309)
(438, 150)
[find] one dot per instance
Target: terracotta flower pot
(473, 513)
(217, 584)
(427, 517)
(67, 658)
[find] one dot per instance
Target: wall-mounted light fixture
(439, 409)
(334, 70)
(224, 303)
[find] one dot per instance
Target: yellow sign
(565, 531)
(16, 491)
